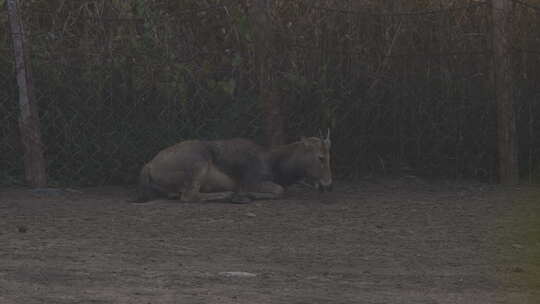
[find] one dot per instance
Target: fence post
(264, 39)
(34, 160)
(507, 159)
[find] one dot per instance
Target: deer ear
(328, 143)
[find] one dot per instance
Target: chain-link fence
(526, 58)
(400, 83)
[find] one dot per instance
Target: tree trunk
(274, 123)
(508, 169)
(34, 160)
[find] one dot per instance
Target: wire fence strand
(118, 81)
(404, 14)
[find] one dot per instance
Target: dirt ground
(394, 241)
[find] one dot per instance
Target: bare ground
(396, 241)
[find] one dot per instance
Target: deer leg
(191, 186)
(195, 195)
(202, 182)
(216, 196)
(265, 190)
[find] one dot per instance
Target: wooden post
(274, 123)
(508, 169)
(34, 160)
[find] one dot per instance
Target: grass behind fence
(117, 81)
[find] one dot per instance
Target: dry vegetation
(403, 84)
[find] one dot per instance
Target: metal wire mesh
(402, 86)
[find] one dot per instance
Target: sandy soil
(392, 241)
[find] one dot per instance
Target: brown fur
(235, 169)
(307, 159)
